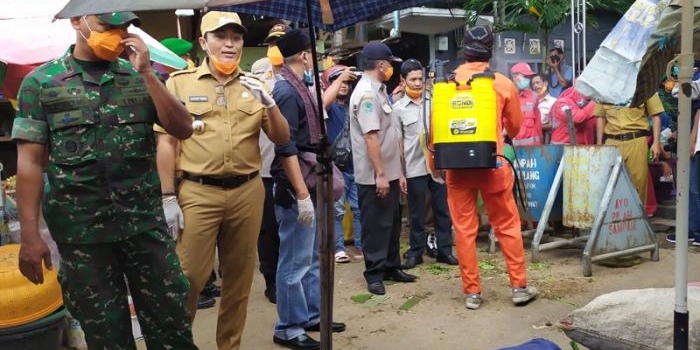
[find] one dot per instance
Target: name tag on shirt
(199, 98)
(386, 108)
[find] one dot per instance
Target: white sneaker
(523, 295)
(473, 301)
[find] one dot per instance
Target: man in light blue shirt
(561, 75)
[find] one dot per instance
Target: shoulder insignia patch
(367, 105)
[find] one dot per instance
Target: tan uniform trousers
(230, 218)
(634, 154)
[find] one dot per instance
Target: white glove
(306, 211)
(173, 216)
(258, 90)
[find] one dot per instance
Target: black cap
(478, 42)
(378, 51)
(276, 31)
(293, 42)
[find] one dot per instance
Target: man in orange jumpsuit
(495, 185)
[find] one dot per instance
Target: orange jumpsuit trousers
(503, 214)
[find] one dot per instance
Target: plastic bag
(611, 75)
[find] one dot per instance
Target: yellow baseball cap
(214, 20)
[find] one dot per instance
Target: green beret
(177, 46)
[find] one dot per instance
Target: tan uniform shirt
(232, 118)
(621, 120)
(370, 110)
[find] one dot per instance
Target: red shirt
(583, 118)
(531, 129)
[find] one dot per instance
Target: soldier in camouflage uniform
(93, 114)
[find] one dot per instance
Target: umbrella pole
(325, 209)
(680, 318)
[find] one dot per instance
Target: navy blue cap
(378, 51)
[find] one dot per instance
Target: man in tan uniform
(221, 191)
(628, 128)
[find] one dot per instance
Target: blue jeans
(694, 197)
(351, 196)
(298, 275)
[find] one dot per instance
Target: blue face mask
(309, 77)
(523, 83)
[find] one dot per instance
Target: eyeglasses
(221, 97)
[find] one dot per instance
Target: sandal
(341, 257)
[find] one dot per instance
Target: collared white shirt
(411, 122)
(545, 105)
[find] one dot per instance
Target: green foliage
(530, 15)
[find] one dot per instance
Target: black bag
(341, 148)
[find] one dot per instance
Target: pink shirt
(531, 129)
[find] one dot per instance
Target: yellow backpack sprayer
(464, 123)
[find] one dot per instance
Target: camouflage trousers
(94, 279)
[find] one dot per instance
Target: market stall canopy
(664, 44)
(38, 39)
(90, 7)
(327, 14)
(28, 34)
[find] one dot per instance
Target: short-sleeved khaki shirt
(620, 120)
(370, 110)
(229, 144)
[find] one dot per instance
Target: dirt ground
(440, 321)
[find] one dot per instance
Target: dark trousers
(381, 229)
(418, 188)
(269, 240)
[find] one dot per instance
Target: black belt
(223, 182)
(628, 136)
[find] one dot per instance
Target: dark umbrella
(327, 14)
(334, 15)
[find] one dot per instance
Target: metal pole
(324, 205)
(573, 35)
(585, 48)
(179, 30)
(680, 319)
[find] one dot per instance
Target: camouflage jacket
(104, 185)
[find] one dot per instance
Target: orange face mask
(388, 73)
(413, 93)
(105, 45)
(224, 67)
(275, 56)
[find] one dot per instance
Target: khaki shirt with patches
(370, 110)
(620, 120)
(229, 144)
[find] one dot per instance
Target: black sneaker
(211, 290)
(696, 239)
(205, 302)
(672, 239)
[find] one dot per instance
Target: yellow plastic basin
(21, 301)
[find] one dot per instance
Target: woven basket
(21, 301)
